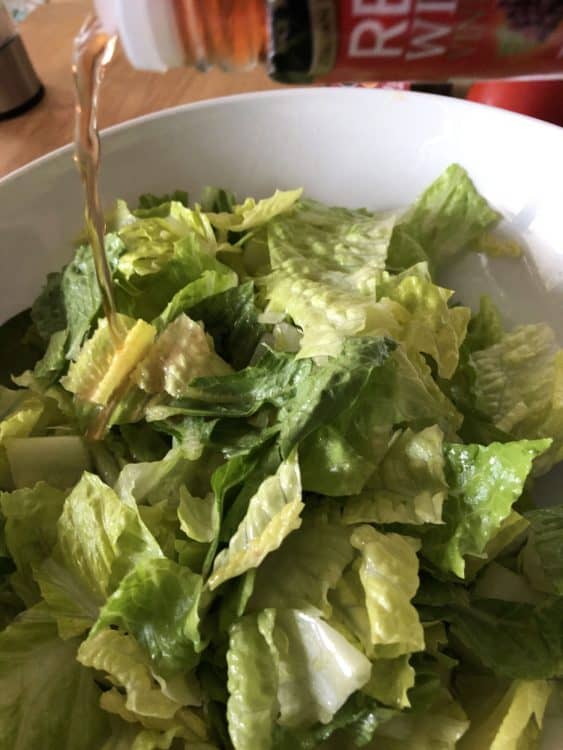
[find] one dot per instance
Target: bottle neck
(229, 34)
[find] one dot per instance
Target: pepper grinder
(20, 88)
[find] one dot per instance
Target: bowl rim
(297, 92)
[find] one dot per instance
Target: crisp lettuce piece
(352, 726)
(389, 575)
(155, 238)
(150, 200)
(119, 656)
(325, 265)
(335, 388)
(59, 460)
(252, 683)
(30, 532)
(232, 319)
(542, 557)
(440, 727)
(328, 308)
(518, 383)
(499, 582)
(485, 329)
(72, 299)
(485, 482)
(185, 731)
(181, 353)
(47, 699)
(511, 721)
(99, 540)
(199, 517)
(273, 513)
(348, 608)
(313, 559)
(150, 482)
(447, 218)
(157, 603)
(53, 364)
(530, 646)
(332, 465)
(203, 276)
(20, 413)
(318, 669)
(432, 326)
(104, 365)
(511, 532)
(334, 239)
(271, 381)
(410, 485)
(252, 214)
(390, 681)
(130, 737)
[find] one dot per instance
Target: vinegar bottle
(344, 40)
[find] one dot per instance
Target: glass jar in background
(301, 41)
(20, 88)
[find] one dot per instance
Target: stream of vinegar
(93, 49)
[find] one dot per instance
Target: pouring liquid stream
(93, 49)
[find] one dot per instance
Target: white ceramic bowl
(354, 147)
(357, 147)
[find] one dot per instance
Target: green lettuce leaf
(231, 318)
(513, 721)
(390, 681)
(47, 699)
(290, 667)
(485, 481)
(485, 329)
(318, 668)
(252, 214)
(328, 308)
(410, 485)
(99, 540)
(252, 683)
(447, 218)
(335, 388)
(352, 726)
(181, 353)
(151, 482)
(203, 277)
(59, 460)
(150, 200)
(30, 533)
(313, 559)
(20, 413)
(542, 557)
(273, 513)
(199, 517)
(389, 575)
(271, 381)
(157, 603)
(439, 728)
(431, 326)
(530, 648)
(71, 299)
(519, 384)
(157, 237)
(122, 659)
(333, 239)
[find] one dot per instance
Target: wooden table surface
(48, 33)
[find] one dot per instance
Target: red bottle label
(428, 40)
